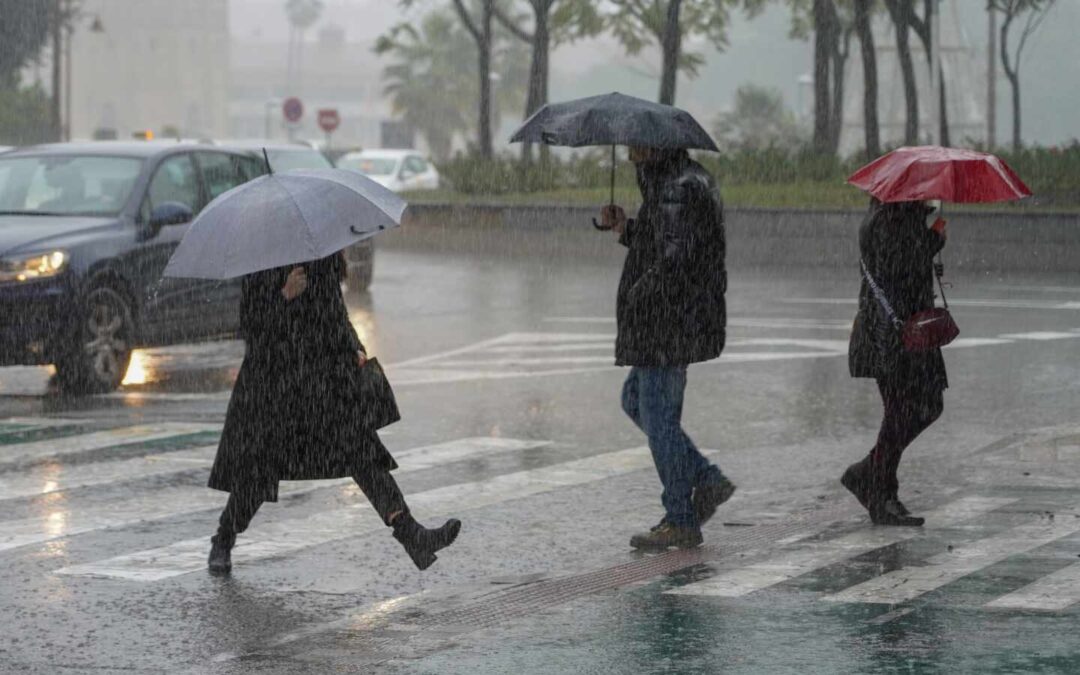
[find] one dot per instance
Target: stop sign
(293, 109)
(329, 119)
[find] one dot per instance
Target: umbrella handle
(599, 226)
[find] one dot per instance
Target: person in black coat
(299, 409)
(898, 251)
(671, 313)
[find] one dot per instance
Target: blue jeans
(653, 399)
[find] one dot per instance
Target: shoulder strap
(880, 295)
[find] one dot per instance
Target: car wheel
(99, 361)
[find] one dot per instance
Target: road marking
(1053, 593)
(909, 583)
(810, 556)
(282, 537)
(63, 520)
(33, 423)
(741, 322)
(21, 452)
(1040, 335)
(997, 303)
(54, 476)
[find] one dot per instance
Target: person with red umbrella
(898, 333)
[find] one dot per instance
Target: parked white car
(398, 170)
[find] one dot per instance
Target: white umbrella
(284, 219)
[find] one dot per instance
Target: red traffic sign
(293, 109)
(329, 119)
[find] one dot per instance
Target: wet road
(502, 368)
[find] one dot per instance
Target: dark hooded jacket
(898, 249)
(671, 309)
(295, 408)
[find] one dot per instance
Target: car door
(221, 172)
(170, 304)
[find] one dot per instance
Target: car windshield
(87, 185)
(370, 166)
(284, 160)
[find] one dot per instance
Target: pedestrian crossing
(992, 529)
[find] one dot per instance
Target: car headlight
(33, 267)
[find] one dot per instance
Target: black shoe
(857, 483)
(220, 562)
(900, 508)
(665, 535)
(708, 498)
(888, 512)
(420, 542)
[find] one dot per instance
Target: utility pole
(991, 81)
(57, 58)
(69, 20)
(935, 71)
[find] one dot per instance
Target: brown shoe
(666, 536)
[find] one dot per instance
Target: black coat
(671, 308)
(294, 411)
(898, 249)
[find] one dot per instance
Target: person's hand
(295, 284)
(613, 217)
(361, 357)
(939, 227)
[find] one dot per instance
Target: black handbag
(376, 399)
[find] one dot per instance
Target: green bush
(1052, 173)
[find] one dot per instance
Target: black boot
(420, 542)
(888, 511)
(220, 562)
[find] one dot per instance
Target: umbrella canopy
(932, 172)
(284, 219)
(614, 119)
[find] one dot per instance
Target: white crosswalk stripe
(300, 533)
(55, 477)
(63, 521)
(22, 452)
(1052, 593)
(811, 556)
(910, 583)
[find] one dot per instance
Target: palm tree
(432, 79)
(302, 15)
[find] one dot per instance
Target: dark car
(286, 156)
(85, 232)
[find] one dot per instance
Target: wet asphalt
(502, 367)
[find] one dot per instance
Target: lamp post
(935, 70)
(96, 26)
(270, 107)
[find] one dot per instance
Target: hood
(32, 233)
(385, 180)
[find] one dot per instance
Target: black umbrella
(614, 119)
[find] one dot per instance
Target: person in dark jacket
(671, 313)
(898, 251)
(298, 410)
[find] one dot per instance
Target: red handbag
(925, 330)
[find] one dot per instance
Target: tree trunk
(900, 12)
(1014, 80)
(922, 29)
(672, 48)
(836, 124)
(487, 150)
(538, 69)
(824, 41)
(870, 90)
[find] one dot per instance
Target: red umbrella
(931, 172)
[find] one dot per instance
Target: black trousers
(909, 410)
(378, 486)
